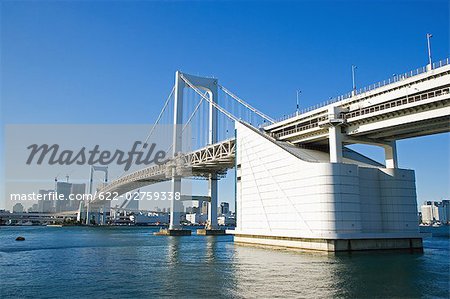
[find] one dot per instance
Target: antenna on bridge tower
(298, 95)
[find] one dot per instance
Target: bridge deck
(363, 114)
(215, 158)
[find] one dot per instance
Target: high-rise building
(76, 189)
(224, 208)
(46, 203)
(446, 209)
(433, 211)
(63, 204)
(70, 192)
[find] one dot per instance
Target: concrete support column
(94, 168)
(212, 184)
(212, 205)
(335, 139)
(335, 134)
(175, 205)
(390, 154)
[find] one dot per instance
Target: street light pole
(353, 79)
(429, 36)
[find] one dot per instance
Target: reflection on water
(356, 275)
(318, 275)
(130, 262)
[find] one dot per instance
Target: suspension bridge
(297, 184)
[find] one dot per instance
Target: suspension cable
(156, 122)
(193, 113)
(189, 119)
(248, 106)
(160, 114)
(229, 115)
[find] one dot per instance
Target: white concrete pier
(293, 197)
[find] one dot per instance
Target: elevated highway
(407, 107)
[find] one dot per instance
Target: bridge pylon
(211, 87)
(104, 208)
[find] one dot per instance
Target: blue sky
(114, 61)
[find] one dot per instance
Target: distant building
(18, 208)
(45, 205)
(192, 210)
(62, 204)
(226, 220)
(197, 218)
(446, 209)
(150, 218)
(76, 189)
(70, 192)
(435, 212)
(33, 208)
(224, 208)
(205, 207)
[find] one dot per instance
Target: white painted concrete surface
(280, 194)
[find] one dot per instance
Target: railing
(441, 63)
(295, 130)
(397, 102)
(299, 128)
(393, 79)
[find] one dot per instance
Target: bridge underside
(421, 121)
(406, 130)
(410, 129)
